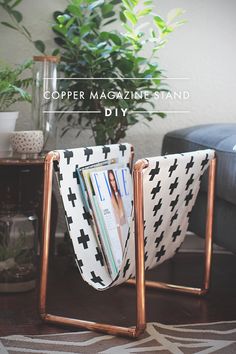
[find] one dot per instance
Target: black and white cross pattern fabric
(86, 248)
(170, 185)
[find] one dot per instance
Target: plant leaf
(8, 25)
(174, 13)
(126, 4)
(56, 52)
(18, 16)
(75, 10)
(162, 115)
(95, 4)
(115, 38)
(125, 65)
(110, 21)
(144, 12)
(159, 22)
(40, 46)
(17, 2)
(130, 16)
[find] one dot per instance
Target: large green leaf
(127, 4)
(144, 12)
(109, 14)
(122, 16)
(130, 17)
(159, 22)
(125, 65)
(40, 46)
(105, 35)
(18, 16)
(8, 25)
(85, 30)
(74, 10)
(107, 8)
(115, 38)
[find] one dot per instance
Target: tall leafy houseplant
(111, 60)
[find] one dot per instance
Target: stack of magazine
(107, 193)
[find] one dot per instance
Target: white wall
(204, 50)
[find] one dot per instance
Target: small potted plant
(12, 89)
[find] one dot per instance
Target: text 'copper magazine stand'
(141, 174)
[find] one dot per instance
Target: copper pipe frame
(208, 246)
(132, 332)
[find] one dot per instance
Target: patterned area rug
(218, 337)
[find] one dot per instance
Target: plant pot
(27, 142)
(8, 121)
(7, 125)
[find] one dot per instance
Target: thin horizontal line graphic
(143, 112)
(160, 112)
(117, 78)
(72, 112)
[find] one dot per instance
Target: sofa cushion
(224, 225)
(220, 137)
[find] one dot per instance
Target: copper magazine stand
(140, 283)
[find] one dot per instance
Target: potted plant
(106, 60)
(122, 62)
(12, 89)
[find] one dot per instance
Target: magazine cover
(82, 186)
(88, 168)
(109, 189)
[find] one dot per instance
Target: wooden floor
(68, 295)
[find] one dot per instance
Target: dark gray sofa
(222, 138)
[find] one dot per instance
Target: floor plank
(70, 296)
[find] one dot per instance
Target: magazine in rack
(106, 191)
